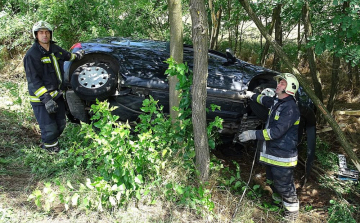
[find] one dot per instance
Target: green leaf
(212, 143)
(112, 201)
(38, 203)
(69, 184)
(179, 189)
(74, 199)
(88, 183)
(86, 202)
(139, 179)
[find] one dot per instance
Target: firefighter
(43, 65)
(278, 150)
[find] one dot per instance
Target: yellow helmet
(42, 25)
(292, 82)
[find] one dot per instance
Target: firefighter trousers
(283, 184)
(51, 125)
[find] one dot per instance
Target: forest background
(334, 39)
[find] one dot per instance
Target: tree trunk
(334, 82)
(278, 37)
(310, 51)
(229, 28)
(240, 41)
(350, 74)
(267, 44)
(236, 36)
(299, 36)
(335, 71)
(339, 134)
(176, 51)
(216, 22)
(356, 73)
(199, 94)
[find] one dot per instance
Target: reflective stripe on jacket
(280, 136)
(44, 71)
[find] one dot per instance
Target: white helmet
(41, 25)
(292, 83)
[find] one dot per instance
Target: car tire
(76, 109)
(94, 80)
(259, 110)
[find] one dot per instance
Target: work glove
(51, 106)
(248, 94)
(247, 135)
(80, 54)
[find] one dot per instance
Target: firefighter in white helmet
(43, 65)
(279, 139)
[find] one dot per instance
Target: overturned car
(125, 72)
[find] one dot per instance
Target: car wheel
(76, 109)
(259, 110)
(93, 81)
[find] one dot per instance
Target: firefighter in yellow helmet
(279, 139)
(43, 65)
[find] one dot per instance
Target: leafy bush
(328, 160)
(340, 211)
(157, 161)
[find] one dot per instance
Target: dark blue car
(125, 72)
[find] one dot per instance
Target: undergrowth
(119, 166)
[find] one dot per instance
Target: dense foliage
(336, 23)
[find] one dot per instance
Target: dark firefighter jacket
(44, 71)
(280, 136)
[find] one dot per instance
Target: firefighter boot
(290, 216)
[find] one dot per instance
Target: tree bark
(310, 51)
(299, 36)
(199, 94)
(350, 74)
(216, 22)
(339, 134)
(278, 37)
(334, 83)
(356, 73)
(176, 51)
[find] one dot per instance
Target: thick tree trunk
(278, 37)
(216, 22)
(310, 51)
(176, 51)
(199, 94)
(340, 135)
(334, 83)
